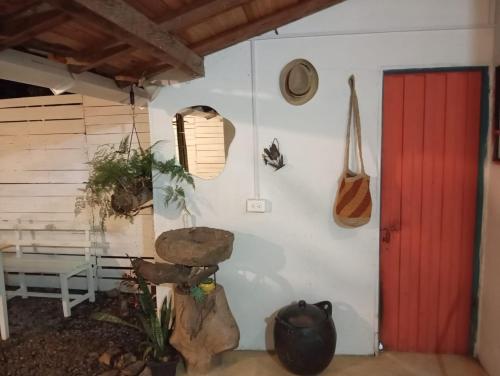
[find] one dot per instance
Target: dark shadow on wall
(253, 272)
(12, 89)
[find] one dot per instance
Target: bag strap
(355, 119)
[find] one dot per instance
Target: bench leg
(65, 295)
(90, 284)
(23, 287)
(4, 318)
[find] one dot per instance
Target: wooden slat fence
(45, 144)
(206, 149)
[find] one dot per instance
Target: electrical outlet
(255, 205)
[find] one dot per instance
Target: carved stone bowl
(197, 246)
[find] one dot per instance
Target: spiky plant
(156, 328)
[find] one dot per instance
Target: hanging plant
(121, 181)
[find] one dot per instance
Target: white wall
(489, 327)
(488, 340)
(296, 251)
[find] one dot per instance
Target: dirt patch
(44, 343)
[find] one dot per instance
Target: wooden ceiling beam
(133, 76)
(50, 48)
(19, 7)
(123, 22)
(94, 58)
(38, 71)
(150, 8)
(196, 12)
(22, 29)
(262, 25)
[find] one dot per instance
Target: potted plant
(121, 181)
(160, 356)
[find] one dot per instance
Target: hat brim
(288, 95)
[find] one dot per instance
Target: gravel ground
(44, 343)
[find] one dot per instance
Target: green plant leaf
(146, 328)
(159, 338)
(166, 313)
(198, 294)
(107, 317)
(145, 297)
(169, 194)
(147, 351)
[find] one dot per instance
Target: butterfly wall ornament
(272, 156)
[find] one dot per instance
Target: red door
(430, 152)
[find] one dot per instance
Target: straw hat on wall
(298, 82)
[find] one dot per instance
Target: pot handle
(325, 306)
(289, 327)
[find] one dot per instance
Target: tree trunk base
(203, 330)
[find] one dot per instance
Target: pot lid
(302, 315)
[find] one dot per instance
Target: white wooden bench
(44, 249)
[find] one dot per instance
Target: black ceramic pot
(168, 368)
(305, 337)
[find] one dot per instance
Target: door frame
(483, 148)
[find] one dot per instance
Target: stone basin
(196, 246)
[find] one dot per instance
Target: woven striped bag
(353, 204)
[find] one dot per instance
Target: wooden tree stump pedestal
(203, 330)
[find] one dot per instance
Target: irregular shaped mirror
(202, 140)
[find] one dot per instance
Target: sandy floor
(255, 363)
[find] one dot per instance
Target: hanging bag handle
(134, 129)
(356, 123)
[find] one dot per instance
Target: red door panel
(430, 152)
(433, 165)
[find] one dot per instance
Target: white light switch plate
(255, 205)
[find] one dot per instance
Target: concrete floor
(259, 363)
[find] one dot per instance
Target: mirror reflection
(202, 140)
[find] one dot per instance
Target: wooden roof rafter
(142, 41)
(261, 25)
(136, 74)
(123, 22)
(18, 7)
(99, 56)
(20, 29)
(196, 12)
(57, 51)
